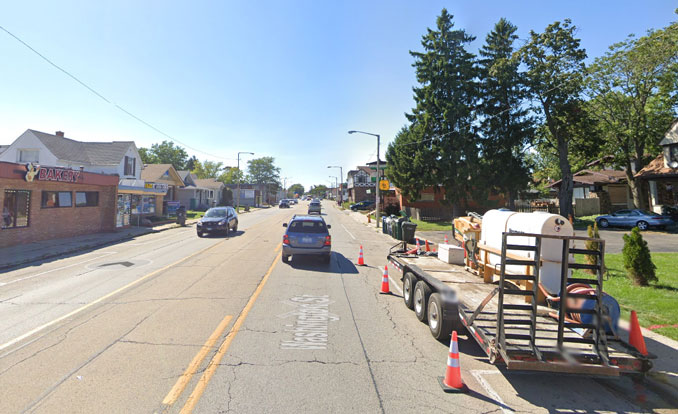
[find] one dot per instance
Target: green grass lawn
(582, 223)
(432, 226)
(192, 214)
(346, 205)
(656, 304)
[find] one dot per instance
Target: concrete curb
(88, 246)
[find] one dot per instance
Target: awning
(125, 189)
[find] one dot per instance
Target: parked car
(670, 211)
(643, 219)
(314, 207)
(307, 235)
(283, 204)
(363, 205)
(218, 220)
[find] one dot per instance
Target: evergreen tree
(637, 259)
(443, 115)
(505, 126)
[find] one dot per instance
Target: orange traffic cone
(446, 239)
(452, 381)
(418, 246)
(385, 289)
(635, 335)
(428, 248)
(361, 260)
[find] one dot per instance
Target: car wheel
(200, 234)
(226, 231)
(285, 258)
(409, 280)
(603, 223)
(421, 295)
(642, 225)
(235, 228)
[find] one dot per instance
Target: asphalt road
(172, 323)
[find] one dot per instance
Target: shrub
(592, 232)
(637, 259)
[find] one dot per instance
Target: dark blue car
(307, 235)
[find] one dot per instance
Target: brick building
(44, 202)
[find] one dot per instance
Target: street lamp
(238, 196)
(378, 172)
(341, 182)
(335, 182)
(285, 185)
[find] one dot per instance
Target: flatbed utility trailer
(505, 319)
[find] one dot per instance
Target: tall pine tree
(505, 126)
(443, 115)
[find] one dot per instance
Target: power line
(92, 90)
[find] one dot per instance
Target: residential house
(190, 195)
(661, 174)
(119, 158)
(599, 191)
(251, 195)
(163, 177)
(432, 204)
(214, 195)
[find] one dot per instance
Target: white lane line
(478, 375)
(395, 285)
(349, 233)
(54, 270)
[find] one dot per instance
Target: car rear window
(308, 226)
(315, 204)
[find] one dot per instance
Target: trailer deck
(529, 334)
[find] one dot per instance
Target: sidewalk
(25, 254)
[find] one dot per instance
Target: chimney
(60, 133)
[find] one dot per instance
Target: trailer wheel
(440, 328)
(409, 280)
(421, 295)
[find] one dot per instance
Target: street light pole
(238, 196)
(335, 183)
(378, 172)
(341, 182)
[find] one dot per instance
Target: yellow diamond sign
(384, 185)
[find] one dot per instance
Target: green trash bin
(398, 228)
(408, 229)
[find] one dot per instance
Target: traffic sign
(384, 185)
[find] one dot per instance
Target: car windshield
(307, 226)
(216, 212)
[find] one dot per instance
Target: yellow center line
(192, 368)
(212, 366)
(103, 298)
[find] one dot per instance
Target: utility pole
(341, 182)
(378, 172)
(239, 172)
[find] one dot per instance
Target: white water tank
(495, 222)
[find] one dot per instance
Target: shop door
(123, 210)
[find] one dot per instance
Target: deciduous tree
(634, 92)
(165, 153)
(555, 67)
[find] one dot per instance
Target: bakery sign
(67, 175)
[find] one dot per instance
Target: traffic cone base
(636, 335)
(445, 388)
(385, 288)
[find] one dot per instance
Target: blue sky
(279, 78)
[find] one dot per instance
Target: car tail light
(328, 240)
(286, 239)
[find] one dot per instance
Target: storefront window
(15, 208)
(86, 198)
(148, 205)
(53, 199)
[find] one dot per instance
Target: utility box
(451, 254)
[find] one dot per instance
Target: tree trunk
(638, 199)
(511, 199)
(566, 183)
